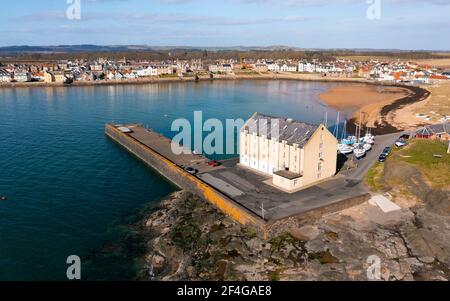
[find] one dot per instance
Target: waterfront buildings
(307, 67)
(222, 68)
(274, 67)
(294, 153)
(22, 76)
(259, 67)
(288, 68)
(55, 77)
(124, 69)
(5, 76)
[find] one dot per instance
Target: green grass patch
(278, 242)
(249, 232)
(244, 72)
(168, 75)
(374, 176)
(189, 74)
(274, 276)
(422, 154)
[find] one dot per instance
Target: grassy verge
(374, 176)
(424, 155)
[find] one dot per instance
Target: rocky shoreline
(194, 241)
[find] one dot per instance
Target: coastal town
(224, 148)
(104, 69)
(297, 191)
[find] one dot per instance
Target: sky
(400, 24)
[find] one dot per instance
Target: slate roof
(434, 129)
(291, 131)
(424, 132)
(439, 128)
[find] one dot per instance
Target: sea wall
(277, 227)
(186, 181)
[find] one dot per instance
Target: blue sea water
(70, 188)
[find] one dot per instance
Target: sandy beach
(365, 99)
(436, 106)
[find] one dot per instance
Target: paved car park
(253, 190)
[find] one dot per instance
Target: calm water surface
(70, 188)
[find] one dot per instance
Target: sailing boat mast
(336, 128)
(344, 130)
(359, 127)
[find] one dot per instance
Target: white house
(288, 68)
(274, 67)
(323, 68)
(119, 75)
(130, 75)
(5, 76)
(22, 76)
(96, 67)
(112, 75)
(225, 68)
(306, 67)
(145, 72)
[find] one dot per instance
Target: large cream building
(294, 153)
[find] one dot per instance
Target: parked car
(401, 143)
(386, 151)
(191, 170)
(214, 163)
(382, 158)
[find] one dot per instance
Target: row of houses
(396, 71)
(405, 72)
(106, 69)
(18, 76)
(137, 72)
(331, 69)
(100, 69)
(221, 68)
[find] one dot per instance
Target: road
(364, 165)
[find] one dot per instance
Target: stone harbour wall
(185, 180)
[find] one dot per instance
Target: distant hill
(26, 53)
(64, 49)
(125, 48)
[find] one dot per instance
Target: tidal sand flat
(367, 99)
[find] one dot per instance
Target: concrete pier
(242, 195)
(155, 150)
